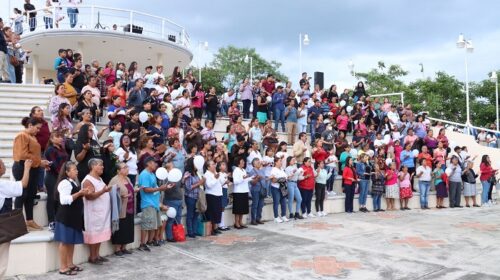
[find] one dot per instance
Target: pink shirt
(393, 180)
(110, 75)
(342, 122)
(198, 102)
(405, 183)
(440, 155)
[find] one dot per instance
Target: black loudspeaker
(171, 38)
(319, 80)
(135, 29)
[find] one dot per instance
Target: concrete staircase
(16, 102)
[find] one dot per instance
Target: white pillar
(160, 59)
(34, 71)
(79, 47)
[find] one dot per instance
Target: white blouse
(212, 184)
(9, 189)
(277, 173)
(240, 184)
(292, 170)
(131, 160)
(64, 188)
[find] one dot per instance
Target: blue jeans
(191, 216)
(424, 187)
(313, 130)
(331, 179)
(278, 199)
(177, 205)
(11, 70)
(293, 192)
(73, 16)
(212, 116)
(377, 201)
(486, 188)
(279, 115)
(363, 191)
(257, 204)
(223, 109)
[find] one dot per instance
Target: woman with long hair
(86, 103)
(197, 100)
(26, 147)
(62, 121)
(127, 154)
(487, 179)
(213, 184)
(42, 137)
(109, 159)
(440, 184)
(240, 193)
(86, 148)
(125, 234)
(69, 218)
(156, 131)
(57, 99)
(349, 180)
(306, 187)
(176, 75)
(55, 153)
(109, 73)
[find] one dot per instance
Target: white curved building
(104, 34)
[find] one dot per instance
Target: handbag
(201, 203)
(283, 187)
(12, 225)
(13, 60)
(178, 232)
(204, 227)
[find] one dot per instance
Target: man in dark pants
(29, 11)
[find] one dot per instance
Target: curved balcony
(103, 34)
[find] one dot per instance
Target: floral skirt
(405, 193)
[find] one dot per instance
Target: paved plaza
(417, 244)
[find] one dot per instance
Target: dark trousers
(28, 198)
(50, 185)
(320, 196)
(246, 108)
(410, 171)
(307, 195)
(19, 73)
(455, 193)
(198, 113)
(48, 22)
(349, 198)
(254, 111)
(32, 23)
(191, 215)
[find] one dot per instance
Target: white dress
(96, 214)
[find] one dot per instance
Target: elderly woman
(125, 234)
(97, 210)
(213, 183)
(69, 218)
(469, 179)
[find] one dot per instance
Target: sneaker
(304, 216)
(325, 213)
(319, 214)
(298, 216)
(311, 215)
(52, 226)
(144, 248)
(285, 219)
(278, 220)
(332, 194)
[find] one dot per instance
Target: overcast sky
(405, 32)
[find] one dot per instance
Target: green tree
(230, 62)
(483, 108)
(210, 77)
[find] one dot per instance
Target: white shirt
(228, 99)
(223, 179)
(292, 169)
(131, 160)
(426, 175)
(96, 94)
(378, 143)
(240, 184)
(270, 162)
(212, 184)
(333, 161)
(9, 189)
(277, 173)
(393, 117)
(251, 156)
(64, 188)
(162, 91)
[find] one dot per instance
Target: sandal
(76, 268)
(95, 261)
(68, 272)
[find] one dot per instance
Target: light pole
(462, 43)
(205, 47)
(494, 78)
(304, 42)
(351, 68)
(247, 58)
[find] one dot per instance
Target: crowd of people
(98, 180)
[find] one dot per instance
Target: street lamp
(205, 47)
(462, 43)
(351, 68)
(494, 78)
(304, 42)
(249, 58)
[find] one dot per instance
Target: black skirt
(125, 234)
(214, 208)
(240, 204)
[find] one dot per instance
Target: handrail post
(163, 29)
(92, 11)
(54, 16)
(131, 20)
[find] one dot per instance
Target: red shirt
(43, 135)
(347, 175)
(427, 157)
(269, 86)
(307, 184)
(486, 172)
(320, 155)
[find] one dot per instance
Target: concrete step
(8, 136)
(32, 101)
(13, 113)
(16, 107)
(23, 95)
(37, 89)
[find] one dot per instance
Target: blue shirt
(406, 158)
(178, 159)
(261, 183)
(148, 180)
(292, 115)
(314, 112)
(279, 101)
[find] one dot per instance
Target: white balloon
(415, 153)
(354, 153)
(199, 161)
(342, 103)
(143, 117)
(371, 153)
(269, 99)
(349, 109)
(171, 212)
(174, 175)
(388, 161)
(387, 141)
(498, 164)
(161, 173)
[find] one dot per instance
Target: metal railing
(97, 18)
